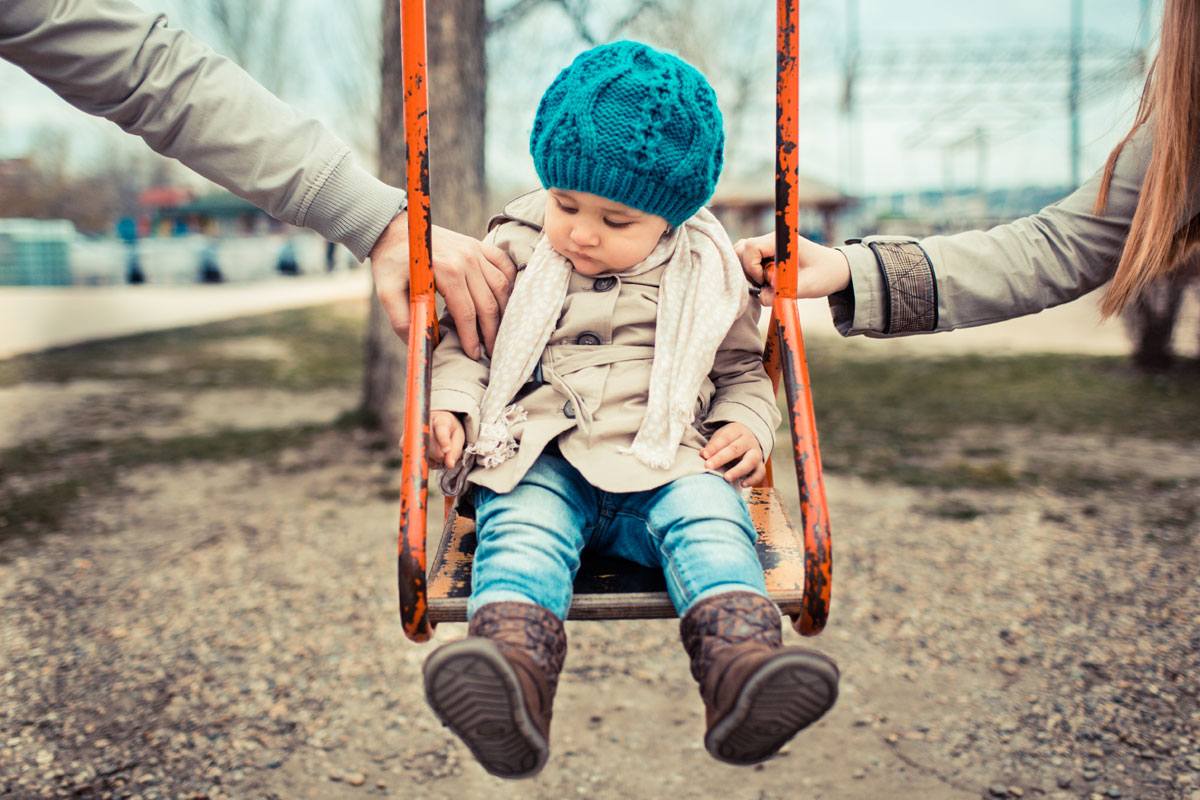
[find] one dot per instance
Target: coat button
(569, 410)
(588, 338)
(604, 284)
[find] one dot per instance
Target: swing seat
(613, 588)
(796, 559)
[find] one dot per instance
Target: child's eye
(610, 223)
(564, 208)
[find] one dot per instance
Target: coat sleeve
(743, 391)
(111, 59)
(901, 286)
(459, 381)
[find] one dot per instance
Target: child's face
(598, 235)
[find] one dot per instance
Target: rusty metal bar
(787, 147)
(416, 138)
(814, 511)
(414, 470)
(774, 368)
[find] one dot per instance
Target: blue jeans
(697, 529)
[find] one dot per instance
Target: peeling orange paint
(414, 469)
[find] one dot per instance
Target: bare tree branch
(513, 14)
(577, 12)
(631, 17)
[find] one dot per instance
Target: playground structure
(797, 560)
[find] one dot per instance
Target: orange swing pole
(414, 470)
(814, 510)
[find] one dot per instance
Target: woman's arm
(111, 59)
(899, 285)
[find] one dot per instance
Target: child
(626, 379)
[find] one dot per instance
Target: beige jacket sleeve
(743, 389)
(459, 381)
(900, 285)
(111, 59)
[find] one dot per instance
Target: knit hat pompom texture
(631, 124)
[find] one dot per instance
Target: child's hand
(734, 441)
(446, 438)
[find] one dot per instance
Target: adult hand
(473, 277)
(734, 442)
(823, 270)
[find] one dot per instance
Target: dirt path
(229, 630)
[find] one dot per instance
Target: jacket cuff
(352, 207)
(894, 289)
(859, 310)
(458, 402)
(725, 412)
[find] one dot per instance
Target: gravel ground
(229, 630)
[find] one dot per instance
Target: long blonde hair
(1156, 242)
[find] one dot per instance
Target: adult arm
(111, 59)
(893, 286)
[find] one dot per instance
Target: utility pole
(1073, 89)
(852, 150)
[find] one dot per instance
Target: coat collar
(528, 209)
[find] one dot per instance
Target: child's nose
(584, 234)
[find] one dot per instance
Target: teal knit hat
(631, 124)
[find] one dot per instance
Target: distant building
(35, 252)
(747, 208)
(176, 210)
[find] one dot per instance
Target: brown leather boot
(495, 689)
(757, 693)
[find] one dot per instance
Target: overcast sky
(892, 147)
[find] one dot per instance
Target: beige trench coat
(596, 376)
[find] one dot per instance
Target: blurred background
(921, 117)
(198, 523)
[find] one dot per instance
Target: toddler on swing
(624, 400)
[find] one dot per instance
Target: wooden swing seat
(613, 588)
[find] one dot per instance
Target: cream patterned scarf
(701, 295)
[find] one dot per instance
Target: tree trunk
(1150, 318)
(457, 97)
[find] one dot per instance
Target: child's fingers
(720, 440)
(756, 475)
(746, 466)
(454, 448)
(441, 428)
(434, 454)
(733, 450)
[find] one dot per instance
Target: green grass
(40, 480)
(910, 401)
(55, 474)
(890, 420)
(325, 346)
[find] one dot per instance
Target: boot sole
(786, 695)
(476, 694)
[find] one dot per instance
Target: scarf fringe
(495, 443)
(661, 455)
(649, 455)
